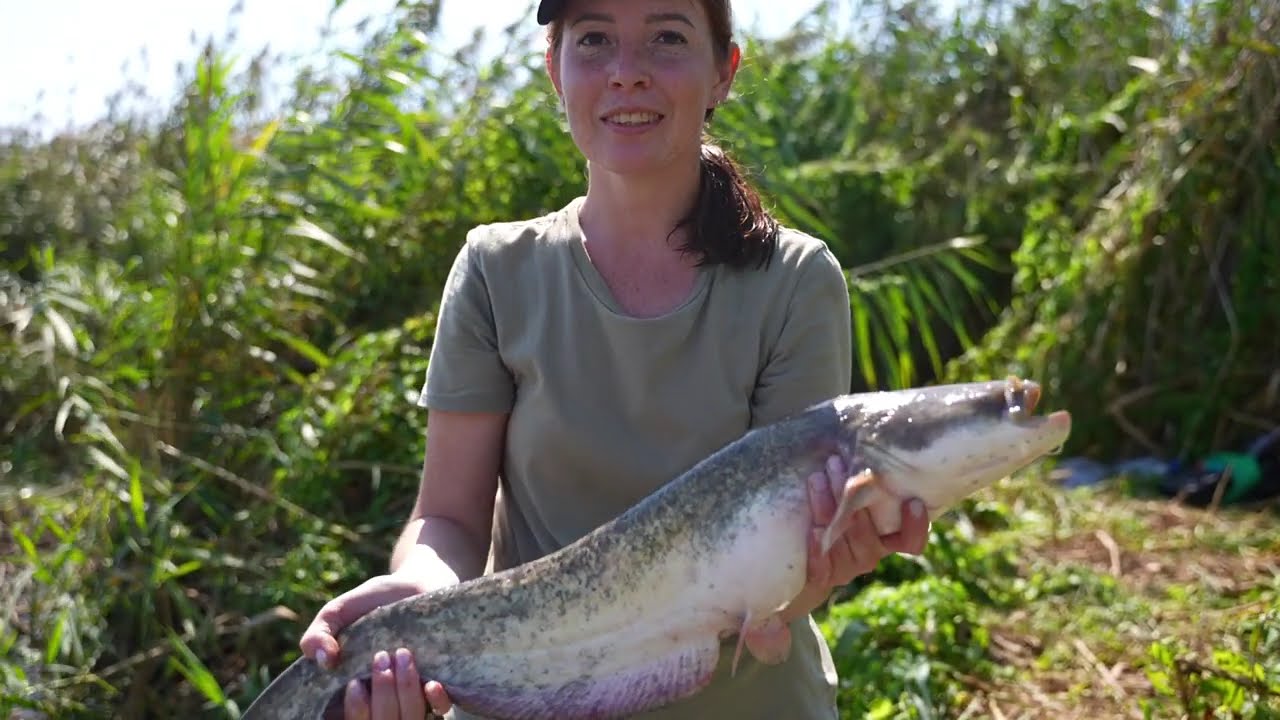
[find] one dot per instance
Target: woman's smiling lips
(631, 119)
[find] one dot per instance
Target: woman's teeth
(634, 118)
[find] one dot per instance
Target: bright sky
(61, 59)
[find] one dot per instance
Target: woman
(585, 357)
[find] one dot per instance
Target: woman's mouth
(633, 119)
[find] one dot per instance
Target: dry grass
(1149, 572)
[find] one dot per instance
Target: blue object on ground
(1083, 472)
(1080, 472)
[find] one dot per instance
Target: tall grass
(215, 323)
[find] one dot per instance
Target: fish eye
(1015, 397)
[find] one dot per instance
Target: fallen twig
(1116, 410)
(1107, 678)
(1113, 550)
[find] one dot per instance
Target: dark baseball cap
(548, 10)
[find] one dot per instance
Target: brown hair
(727, 224)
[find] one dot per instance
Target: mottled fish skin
(633, 615)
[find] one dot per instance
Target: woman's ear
(728, 71)
(553, 71)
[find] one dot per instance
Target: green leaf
(862, 342)
(185, 568)
(136, 500)
(195, 671)
(53, 647)
(302, 347)
(28, 546)
(304, 228)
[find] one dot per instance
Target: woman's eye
(670, 37)
(592, 38)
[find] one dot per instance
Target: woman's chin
(636, 161)
(637, 167)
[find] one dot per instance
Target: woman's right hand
(396, 688)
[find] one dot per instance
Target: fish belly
(659, 640)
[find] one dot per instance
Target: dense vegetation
(216, 318)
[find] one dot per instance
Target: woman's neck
(638, 213)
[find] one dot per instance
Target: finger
(822, 504)
(355, 703)
(864, 545)
(413, 702)
(385, 705)
(912, 537)
(819, 566)
(439, 699)
(842, 563)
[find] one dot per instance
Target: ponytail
(728, 224)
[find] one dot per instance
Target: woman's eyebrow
(652, 18)
(590, 17)
(670, 16)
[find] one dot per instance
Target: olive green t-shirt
(605, 407)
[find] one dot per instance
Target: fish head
(944, 442)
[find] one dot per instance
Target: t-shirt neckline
(596, 284)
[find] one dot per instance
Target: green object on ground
(1244, 468)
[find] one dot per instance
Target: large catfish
(633, 615)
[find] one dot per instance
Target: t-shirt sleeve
(812, 358)
(465, 371)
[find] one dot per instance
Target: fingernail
(835, 465)
(355, 689)
(916, 507)
(402, 659)
(382, 661)
(322, 658)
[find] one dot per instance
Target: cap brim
(549, 10)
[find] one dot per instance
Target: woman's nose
(628, 69)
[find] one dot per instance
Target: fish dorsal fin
(675, 675)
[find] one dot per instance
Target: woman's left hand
(859, 547)
(856, 551)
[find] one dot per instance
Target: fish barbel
(634, 615)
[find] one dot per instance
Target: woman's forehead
(571, 9)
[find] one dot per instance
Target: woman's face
(637, 77)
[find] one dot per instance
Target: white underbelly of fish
(663, 637)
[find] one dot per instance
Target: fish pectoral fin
(860, 491)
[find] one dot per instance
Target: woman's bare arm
(451, 520)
